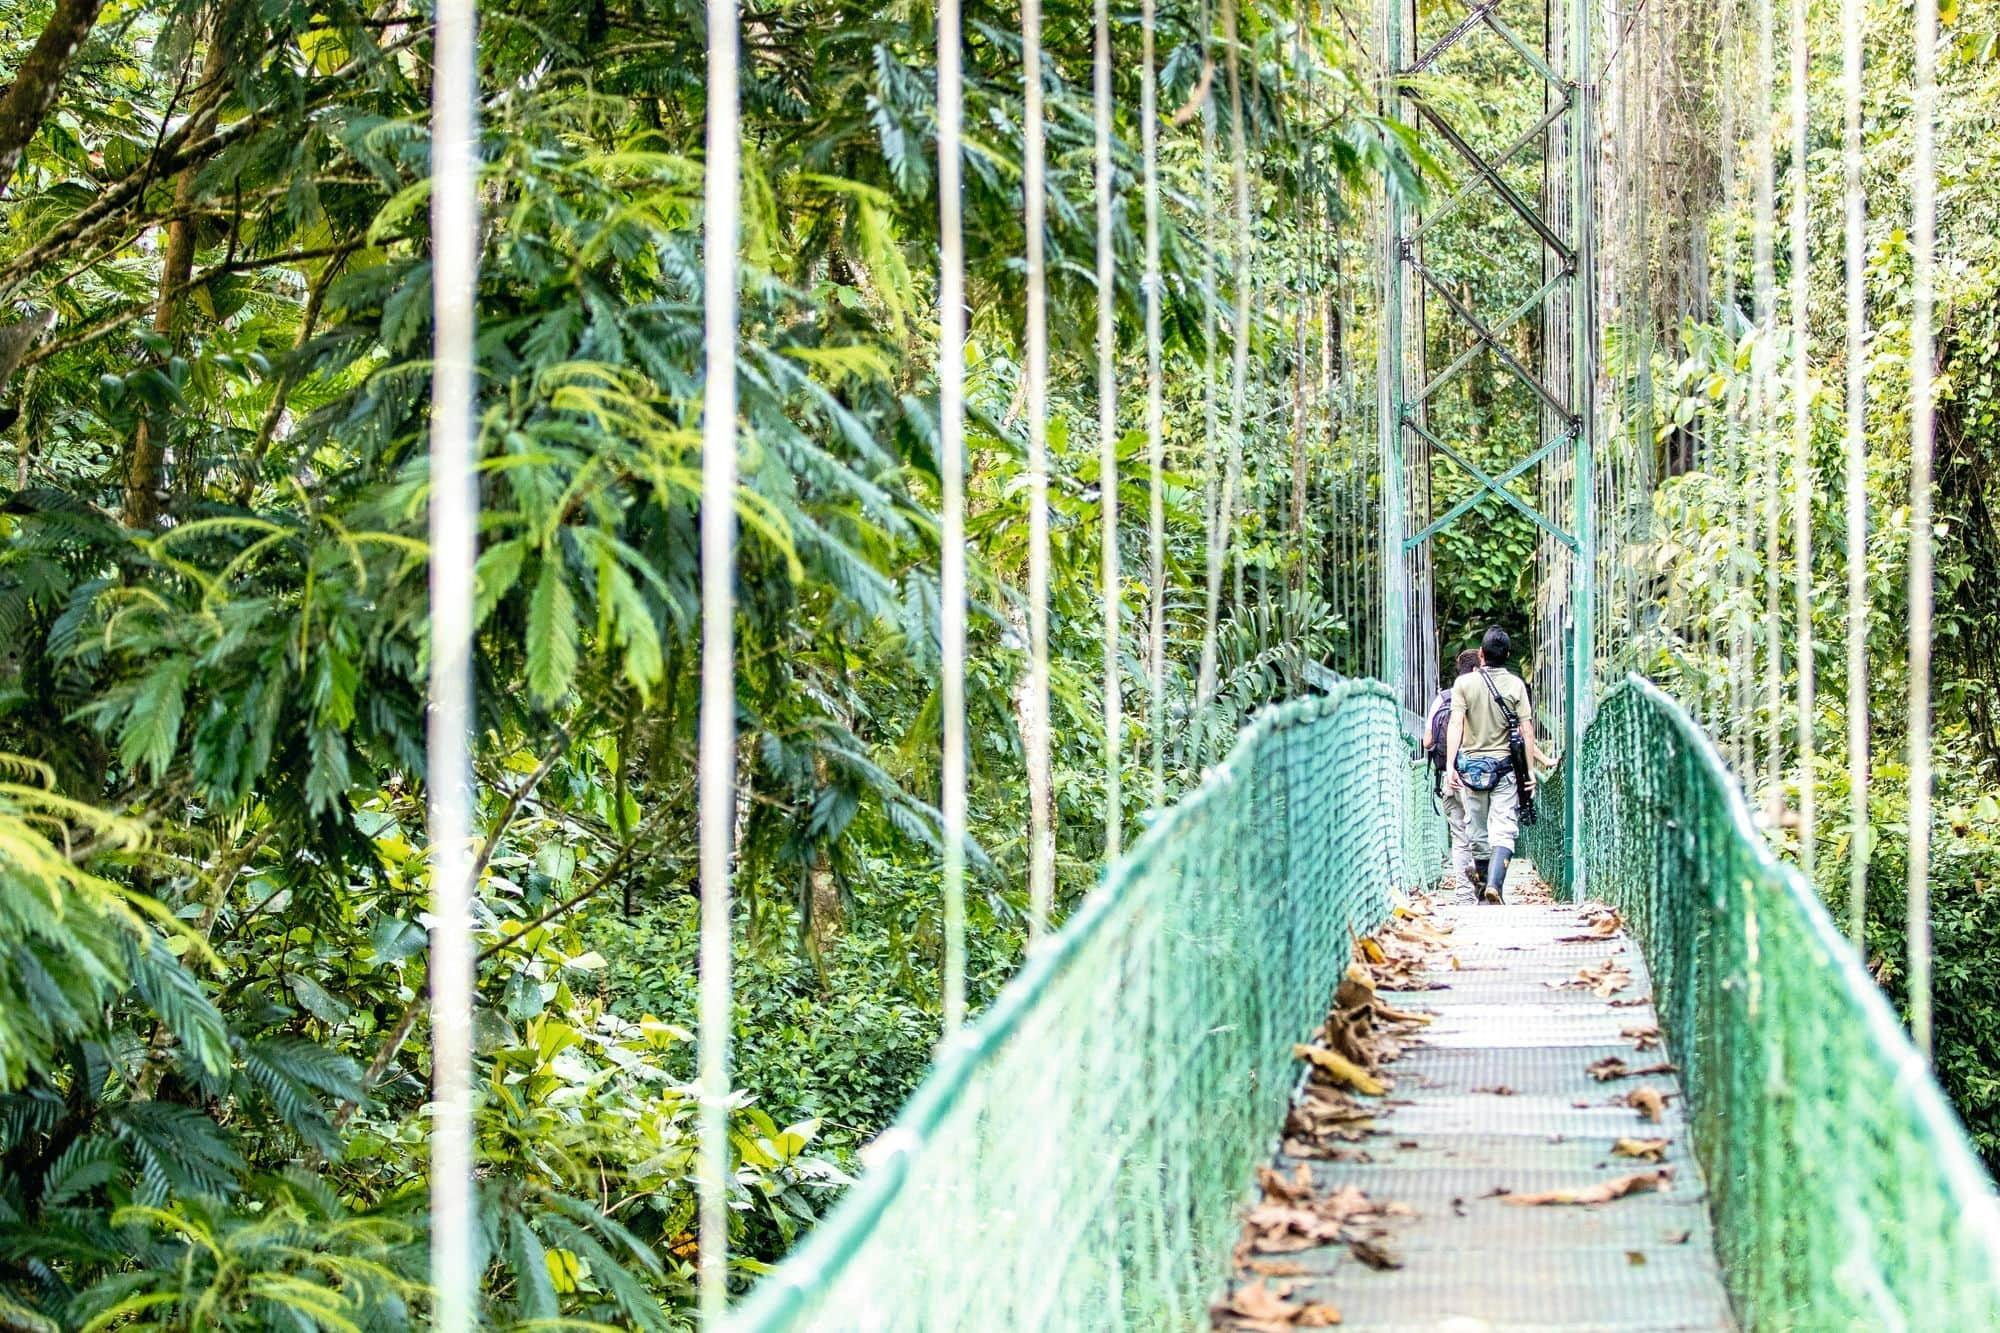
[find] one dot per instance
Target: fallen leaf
(1318, 1314)
(1338, 1067)
(1645, 1036)
(1603, 926)
(1648, 1102)
(1458, 1207)
(1603, 979)
(1497, 1090)
(1281, 1188)
(1643, 1182)
(1679, 1237)
(1406, 1143)
(1372, 951)
(1265, 1306)
(1370, 1252)
(1636, 1258)
(1346, 1202)
(1644, 1150)
(1631, 1001)
(1278, 1267)
(1612, 1066)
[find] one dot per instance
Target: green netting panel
(1844, 1192)
(1545, 842)
(1426, 835)
(1074, 1161)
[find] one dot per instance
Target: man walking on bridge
(1435, 727)
(1492, 731)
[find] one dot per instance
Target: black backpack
(1440, 724)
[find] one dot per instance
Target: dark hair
(1468, 662)
(1496, 647)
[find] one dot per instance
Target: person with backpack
(1487, 743)
(1435, 728)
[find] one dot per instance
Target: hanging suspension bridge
(1082, 1155)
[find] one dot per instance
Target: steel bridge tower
(1541, 182)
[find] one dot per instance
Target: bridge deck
(1493, 1099)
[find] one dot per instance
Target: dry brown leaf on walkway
(1631, 1001)
(1370, 1251)
(1497, 1090)
(1648, 1102)
(1642, 1183)
(1602, 926)
(1346, 1203)
(1340, 1069)
(1259, 1308)
(1277, 1228)
(1604, 979)
(1277, 1268)
(1612, 1066)
(1644, 1150)
(1389, 1015)
(1645, 1036)
(1324, 1112)
(1281, 1188)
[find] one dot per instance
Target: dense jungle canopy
(214, 381)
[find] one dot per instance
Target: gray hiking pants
(1492, 818)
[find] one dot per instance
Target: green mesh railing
(1074, 1160)
(1843, 1190)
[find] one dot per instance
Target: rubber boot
(1479, 878)
(1496, 874)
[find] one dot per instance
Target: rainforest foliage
(215, 258)
(214, 383)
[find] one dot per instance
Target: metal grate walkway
(1495, 1098)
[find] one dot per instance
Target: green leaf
(153, 721)
(551, 635)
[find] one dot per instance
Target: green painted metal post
(1583, 403)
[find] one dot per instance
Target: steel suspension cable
(1803, 476)
(1211, 409)
(1107, 431)
(1041, 778)
(1763, 400)
(1721, 657)
(1156, 485)
(1923, 241)
(716, 774)
(454, 542)
(1240, 363)
(951, 464)
(1856, 481)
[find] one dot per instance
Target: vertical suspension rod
(1041, 794)
(716, 779)
(1923, 240)
(454, 523)
(951, 449)
(1802, 463)
(1856, 477)
(1107, 431)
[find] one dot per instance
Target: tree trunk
(146, 465)
(39, 79)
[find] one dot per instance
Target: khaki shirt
(1485, 727)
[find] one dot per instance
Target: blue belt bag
(1483, 772)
